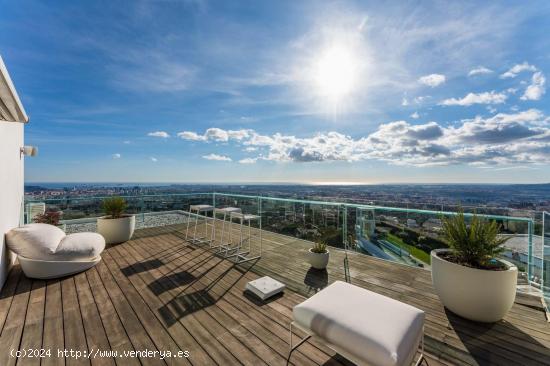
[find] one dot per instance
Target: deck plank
(10, 339)
(158, 292)
(7, 294)
(73, 328)
(119, 340)
(34, 325)
(93, 326)
(53, 338)
(139, 337)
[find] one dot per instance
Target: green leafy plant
(319, 247)
(476, 244)
(114, 207)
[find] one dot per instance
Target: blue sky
(277, 91)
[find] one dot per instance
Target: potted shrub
(116, 226)
(51, 218)
(318, 256)
(468, 277)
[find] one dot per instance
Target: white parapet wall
(11, 187)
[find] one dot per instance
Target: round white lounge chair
(44, 251)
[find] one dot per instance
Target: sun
(335, 72)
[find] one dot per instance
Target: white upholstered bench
(363, 326)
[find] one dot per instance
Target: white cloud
(516, 69)
(116, 156)
(161, 134)
(215, 134)
(415, 115)
(405, 102)
(502, 139)
(248, 160)
(536, 89)
(432, 80)
(479, 71)
(126, 142)
(250, 149)
(216, 157)
(481, 98)
(192, 136)
(153, 159)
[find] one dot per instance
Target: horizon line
(320, 183)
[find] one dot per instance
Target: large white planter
(475, 294)
(116, 230)
(318, 260)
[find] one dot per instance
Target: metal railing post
(530, 250)
(142, 208)
(260, 222)
(345, 241)
(545, 271)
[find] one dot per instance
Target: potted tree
(318, 255)
(116, 226)
(468, 277)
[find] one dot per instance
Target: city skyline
(298, 92)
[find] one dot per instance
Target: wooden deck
(159, 293)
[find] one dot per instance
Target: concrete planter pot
(116, 230)
(318, 260)
(475, 294)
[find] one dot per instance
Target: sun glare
(335, 72)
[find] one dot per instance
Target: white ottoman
(364, 326)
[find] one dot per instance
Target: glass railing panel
(75, 214)
(546, 258)
(289, 229)
(247, 204)
(169, 209)
(80, 214)
(304, 220)
(408, 236)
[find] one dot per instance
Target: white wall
(11, 187)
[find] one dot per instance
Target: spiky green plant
(319, 247)
(474, 244)
(114, 206)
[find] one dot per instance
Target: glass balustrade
(405, 235)
(408, 236)
(546, 257)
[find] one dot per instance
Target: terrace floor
(157, 292)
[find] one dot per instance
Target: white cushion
(80, 246)
(35, 241)
(372, 328)
(49, 243)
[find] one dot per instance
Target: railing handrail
(301, 201)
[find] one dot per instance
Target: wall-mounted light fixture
(28, 151)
